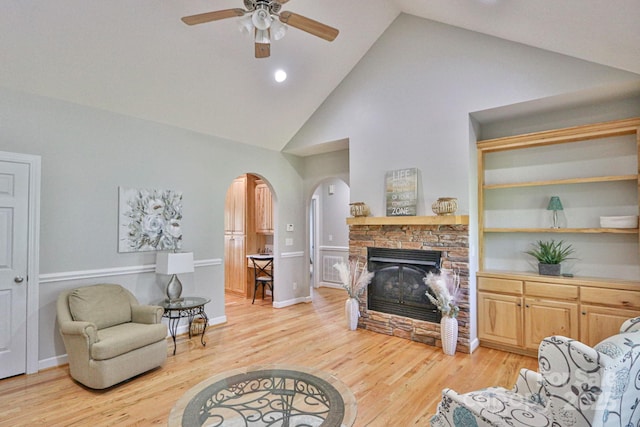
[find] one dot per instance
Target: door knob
(18, 279)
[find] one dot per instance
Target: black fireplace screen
(398, 286)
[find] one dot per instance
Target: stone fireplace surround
(448, 234)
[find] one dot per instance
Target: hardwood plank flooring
(396, 382)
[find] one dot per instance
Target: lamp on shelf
(555, 205)
(174, 263)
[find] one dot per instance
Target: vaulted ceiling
(136, 57)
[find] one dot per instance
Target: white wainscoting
(329, 256)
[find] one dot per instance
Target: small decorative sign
(402, 192)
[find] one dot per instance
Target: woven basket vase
(352, 312)
(449, 334)
(445, 206)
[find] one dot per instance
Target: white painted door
(14, 203)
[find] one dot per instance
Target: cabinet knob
(584, 313)
(527, 305)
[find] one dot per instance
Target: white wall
(334, 210)
(407, 103)
(88, 153)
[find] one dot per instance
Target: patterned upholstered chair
(577, 386)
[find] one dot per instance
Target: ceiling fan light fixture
(245, 25)
(264, 21)
(278, 29)
(262, 36)
(261, 18)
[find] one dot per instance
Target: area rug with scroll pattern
(270, 395)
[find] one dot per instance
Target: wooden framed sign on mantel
(402, 192)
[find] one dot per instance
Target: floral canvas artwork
(150, 220)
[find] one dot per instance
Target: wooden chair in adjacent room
(263, 275)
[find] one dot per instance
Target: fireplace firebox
(398, 286)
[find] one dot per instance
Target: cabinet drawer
(550, 290)
(500, 285)
(612, 297)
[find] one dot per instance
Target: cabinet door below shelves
(500, 318)
(544, 318)
(235, 264)
(599, 323)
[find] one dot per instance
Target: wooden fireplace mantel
(410, 220)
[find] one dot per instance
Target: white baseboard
(52, 362)
(283, 304)
(474, 344)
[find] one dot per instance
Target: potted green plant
(549, 255)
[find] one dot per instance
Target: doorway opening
(328, 232)
(248, 230)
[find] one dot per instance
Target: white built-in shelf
(410, 220)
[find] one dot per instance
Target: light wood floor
(395, 381)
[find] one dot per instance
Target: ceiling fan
(264, 19)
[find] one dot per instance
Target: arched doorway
(328, 231)
(248, 229)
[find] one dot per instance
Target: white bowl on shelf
(619, 221)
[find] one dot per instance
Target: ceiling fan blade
(263, 50)
(309, 25)
(213, 16)
(281, 1)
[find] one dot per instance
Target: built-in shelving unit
(594, 169)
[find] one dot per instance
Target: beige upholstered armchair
(108, 336)
(577, 386)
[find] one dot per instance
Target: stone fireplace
(446, 235)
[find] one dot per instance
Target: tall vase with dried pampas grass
(445, 288)
(354, 278)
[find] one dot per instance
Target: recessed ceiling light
(280, 76)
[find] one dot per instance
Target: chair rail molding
(116, 271)
(334, 248)
(297, 254)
